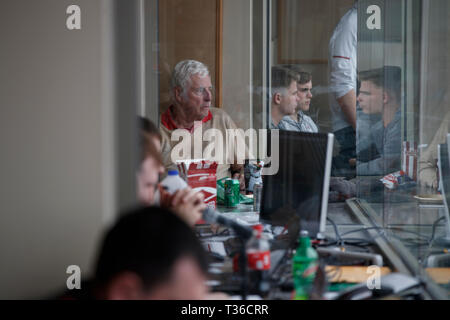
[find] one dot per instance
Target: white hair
(182, 73)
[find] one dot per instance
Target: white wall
(56, 143)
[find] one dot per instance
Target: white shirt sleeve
(343, 55)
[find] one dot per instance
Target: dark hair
(282, 77)
(147, 148)
(147, 126)
(387, 77)
(147, 241)
(303, 76)
(148, 130)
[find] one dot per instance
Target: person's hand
(428, 178)
(188, 204)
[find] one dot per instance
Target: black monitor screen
(293, 197)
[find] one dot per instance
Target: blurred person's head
(151, 253)
(380, 89)
(284, 91)
(148, 127)
(191, 91)
(149, 168)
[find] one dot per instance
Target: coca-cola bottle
(258, 261)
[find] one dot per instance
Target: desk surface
(408, 217)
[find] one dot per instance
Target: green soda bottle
(304, 267)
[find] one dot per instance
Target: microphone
(212, 216)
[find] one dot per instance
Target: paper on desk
(215, 247)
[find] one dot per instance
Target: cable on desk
(431, 240)
(338, 236)
(407, 231)
(342, 242)
(359, 242)
(433, 232)
(350, 242)
(363, 242)
(390, 228)
(361, 229)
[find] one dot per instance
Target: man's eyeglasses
(202, 91)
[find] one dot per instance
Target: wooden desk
(357, 274)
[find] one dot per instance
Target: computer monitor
(297, 196)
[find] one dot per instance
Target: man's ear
(277, 98)
(178, 94)
(125, 286)
(386, 97)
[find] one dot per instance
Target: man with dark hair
(150, 253)
(299, 121)
(284, 94)
(149, 168)
(380, 93)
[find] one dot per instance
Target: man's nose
(207, 94)
(310, 94)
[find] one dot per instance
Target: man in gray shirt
(380, 93)
(284, 95)
(300, 121)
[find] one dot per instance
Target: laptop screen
(297, 196)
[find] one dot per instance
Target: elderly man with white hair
(191, 111)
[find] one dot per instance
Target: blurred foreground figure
(187, 203)
(150, 254)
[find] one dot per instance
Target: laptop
(297, 196)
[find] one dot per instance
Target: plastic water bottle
(304, 267)
(254, 172)
(173, 182)
(258, 261)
